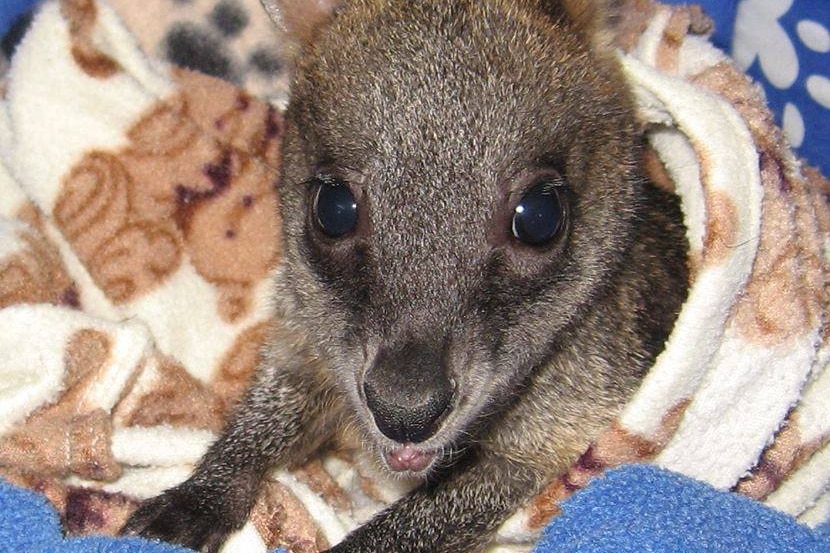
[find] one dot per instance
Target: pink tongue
(409, 458)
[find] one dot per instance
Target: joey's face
(457, 187)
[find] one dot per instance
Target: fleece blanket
(138, 241)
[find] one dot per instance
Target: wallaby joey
(476, 273)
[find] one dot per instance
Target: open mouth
(409, 458)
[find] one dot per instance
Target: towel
(139, 240)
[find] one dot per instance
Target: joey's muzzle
(408, 392)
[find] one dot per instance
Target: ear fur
(592, 18)
(300, 19)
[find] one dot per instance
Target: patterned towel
(138, 240)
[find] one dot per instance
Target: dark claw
(182, 516)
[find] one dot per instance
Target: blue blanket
(29, 524)
(637, 508)
(642, 508)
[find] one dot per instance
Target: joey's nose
(408, 392)
(412, 421)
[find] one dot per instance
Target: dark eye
(335, 207)
(539, 215)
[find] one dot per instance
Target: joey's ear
(300, 19)
(591, 18)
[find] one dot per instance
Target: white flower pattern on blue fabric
(813, 35)
(819, 89)
(775, 34)
(793, 124)
(758, 34)
(816, 37)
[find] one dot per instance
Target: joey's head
(459, 184)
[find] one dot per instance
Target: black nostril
(413, 420)
(408, 391)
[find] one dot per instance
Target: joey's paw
(352, 546)
(184, 517)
